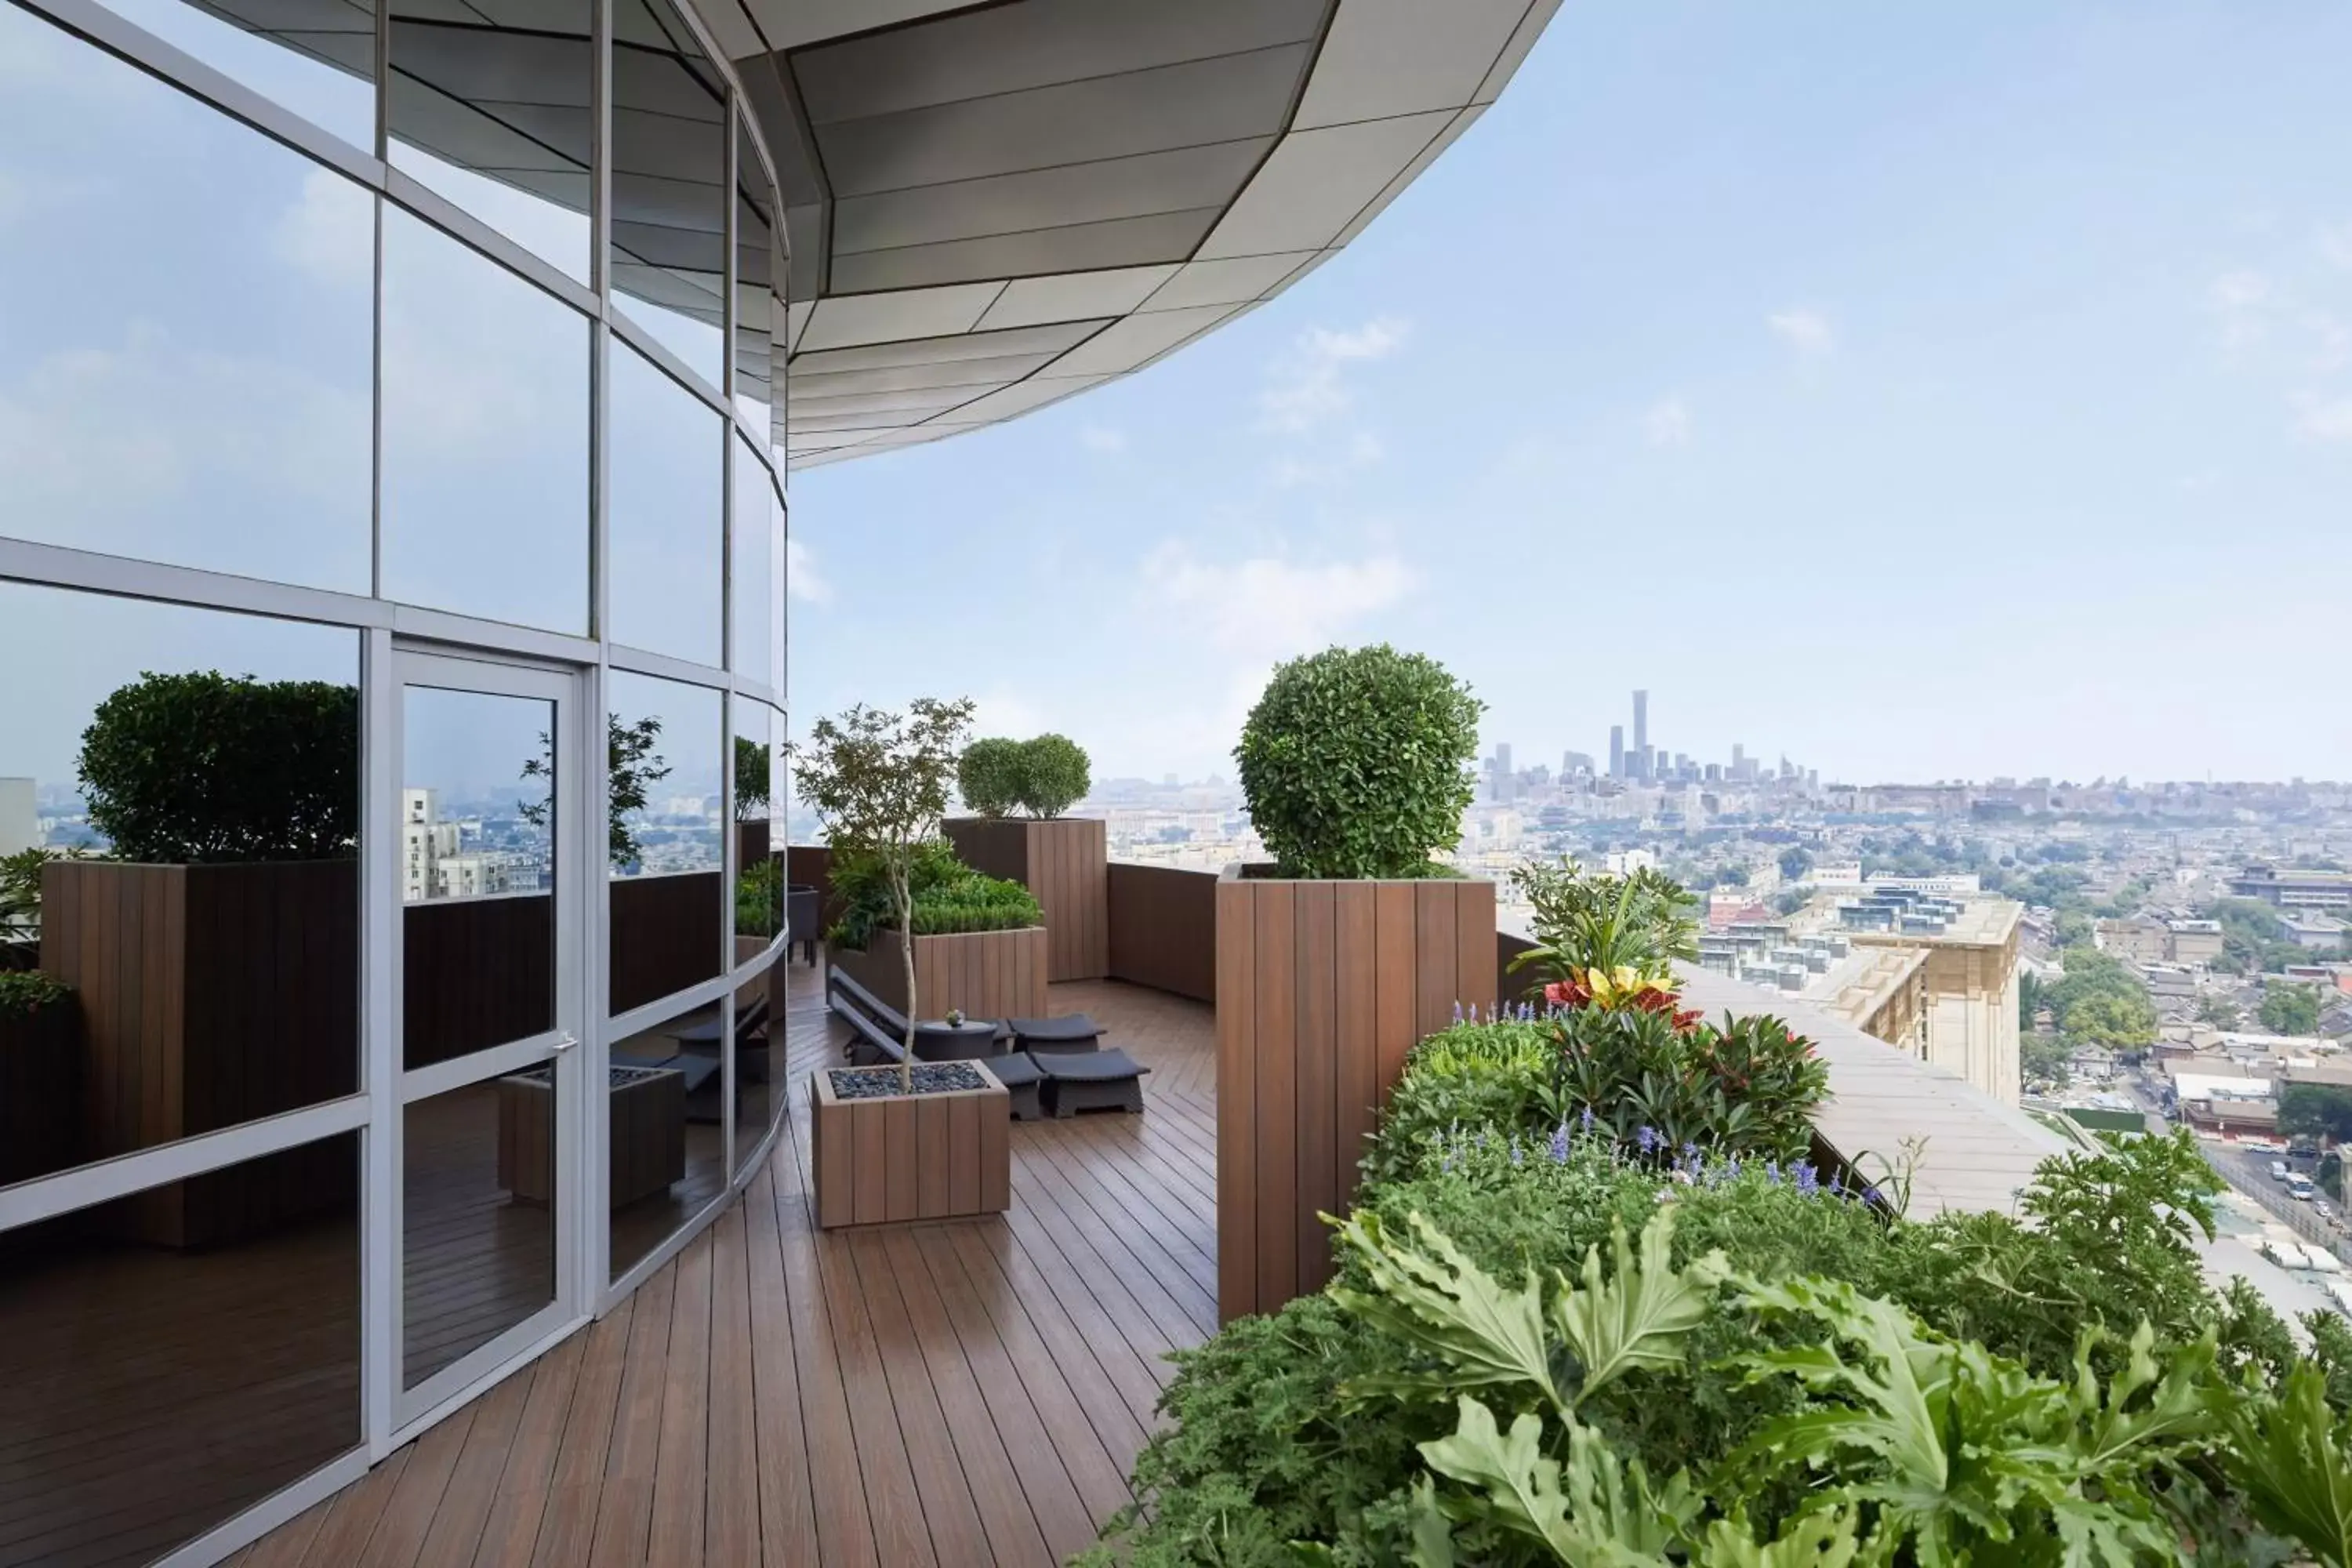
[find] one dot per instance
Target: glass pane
(670, 182)
(780, 595)
(484, 436)
(668, 451)
(499, 118)
(668, 892)
(477, 1216)
(759, 885)
(204, 402)
(316, 57)
(668, 1159)
(754, 565)
(759, 278)
(188, 783)
(173, 1357)
(758, 1072)
(477, 872)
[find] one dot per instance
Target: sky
(1920, 392)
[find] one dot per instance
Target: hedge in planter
(1040, 777)
(40, 1077)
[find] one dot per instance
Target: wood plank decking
(957, 1394)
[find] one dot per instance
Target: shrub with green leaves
(1042, 776)
(1357, 763)
(989, 775)
(950, 898)
(203, 767)
(760, 898)
(28, 993)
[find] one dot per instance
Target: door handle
(565, 1042)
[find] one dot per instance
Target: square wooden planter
(1322, 986)
(928, 1156)
(644, 1110)
(987, 973)
(1063, 861)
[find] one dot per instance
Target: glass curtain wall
(351, 400)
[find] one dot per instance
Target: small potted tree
(1335, 958)
(1020, 790)
(216, 946)
(916, 1141)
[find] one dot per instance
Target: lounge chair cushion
(1088, 1067)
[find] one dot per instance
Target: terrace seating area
(971, 1393)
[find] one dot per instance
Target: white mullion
(120, 1177)
(639, 662)
(380, 1014)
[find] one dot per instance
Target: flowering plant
(1622, 988)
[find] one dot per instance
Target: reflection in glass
(753, 580)
(485, 437)
(668, 888)
(759, 918)
(670, 182)
(477, 1218)
(781, 533)
(316, 57)
(497, 116)
(477, 871)
(759, 284)
(668, 1159)
(199, 828)
(668, 568)
(204, 402)
(154, 1390)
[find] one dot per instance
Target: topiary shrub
(1356, 762)
(1055, 774)
(989, 774)
(205, 767)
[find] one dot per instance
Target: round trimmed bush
(989, 775)
(1055, 774)
(1357, 763)
(205, 767)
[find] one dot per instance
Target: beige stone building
(2135, 940)
(1965, 1015)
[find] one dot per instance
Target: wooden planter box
(40, 1093)
(1322, 987)
(931, 1156)
(1063, 861)
(210, 995)
(988, 975)
(645, 1108)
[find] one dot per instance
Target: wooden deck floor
(957, 1394)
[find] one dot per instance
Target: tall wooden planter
(40, 1092)
(1063, 861)
(987, 975)
(1322, 986)
(929, 1156)
(210, 995)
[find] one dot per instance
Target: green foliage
(1747, 1087)
(28, 993)
(2293, 1460)
(1796, 862)
(753, 779)
(2099, 1000)
(2290, 1010)
(948, 897)
(989, 775)
(1356, 762)
(203, 767)
(1497, 1075)
(1593, 921)
(2043, 1060)
(1043, 776)
(632, 767)
(760, 898)
(2217, 1010)
(2316, 1111)
(20, 901)
(2253, 939)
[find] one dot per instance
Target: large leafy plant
(878, 783)
(1356, 762)
(28, 994)
(1042, 776)
(202, 767)
(1588, 923)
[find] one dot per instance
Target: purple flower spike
(1457, 1012)
(1588, 1119)
(1647, 1138)
(1559, 1144)
(1772, 1171)
(1515, 1152)
(1809, 1181)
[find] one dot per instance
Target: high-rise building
(1616, 751)
(20, 820)
(1642, 723)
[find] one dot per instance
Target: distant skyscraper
(1616, 751)
(1502, 756)
(1642, 722)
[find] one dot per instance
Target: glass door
(488, 1010)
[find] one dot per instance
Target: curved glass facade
(392, 603)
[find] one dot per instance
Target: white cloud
(1305, 389)
(2241, 301)
(1102, 439)
(1667, 424)
(329, 232)
(1361, 450)
(801, 579)
(2331, 344)
(1807, 332)
(2335, 244)
(1269, 606)
(2318, 420)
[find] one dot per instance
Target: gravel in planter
(880, 1083)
